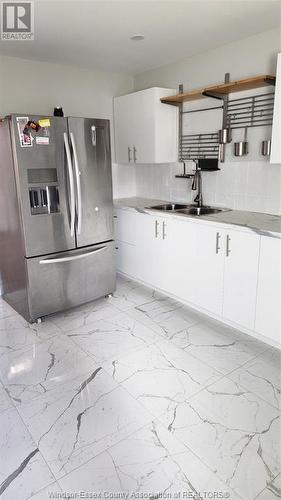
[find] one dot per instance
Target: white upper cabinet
(275, 156)
(146, 131)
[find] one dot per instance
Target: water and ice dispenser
(43, 191)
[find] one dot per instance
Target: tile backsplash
(124, 180)
(247, 183)
(243, 185)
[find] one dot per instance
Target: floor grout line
(268, 484)
(34, 441)
(147, 345)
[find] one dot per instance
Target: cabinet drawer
(61, 281)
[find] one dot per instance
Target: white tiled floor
(137, 394)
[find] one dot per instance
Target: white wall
(37, 87)
(247, 57)
(250, 183)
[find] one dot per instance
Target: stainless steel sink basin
(201, 210)
(190, 209)
(170, 207)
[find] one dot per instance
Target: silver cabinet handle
(218, 242)
(71, 184)
(135, 154)
(71, 257)
(163, 230)
(156, 229)
(78, 184)
(129, 154)
(228, 239)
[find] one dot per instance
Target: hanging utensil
(225, 135)
(266, 148)
(241, 148)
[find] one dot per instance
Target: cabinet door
(146, 126)
(275, 156)
(166, 128)
(139, 242)
(126, 258)
(240, 277)
(196, 264)
(143, 133)
(124, 125)
(134, 127)
(131, 230)
(126, 226)
(180, 265)
(151, 247)
(155, 136)
(207, 271)
(268, 312)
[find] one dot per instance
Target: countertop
(264, 224)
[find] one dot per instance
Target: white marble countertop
(264, 224)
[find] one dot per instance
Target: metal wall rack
(252, 111)
(195, 146)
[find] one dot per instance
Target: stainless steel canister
(266, 147)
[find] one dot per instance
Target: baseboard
(208, 314)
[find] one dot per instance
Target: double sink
(188, 209)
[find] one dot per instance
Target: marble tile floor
(137, 396)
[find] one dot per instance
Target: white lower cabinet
(240, 277)
(126, 226)
(152, 250)
(179, 269)
(195, 264)
(214, 269)
(235, 275)
(126, 258)
(207, 268)
(128, 234)
(140, 252)
(268, 316)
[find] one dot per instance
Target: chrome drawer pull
(156, 229)
(218, 242)
(228, 239)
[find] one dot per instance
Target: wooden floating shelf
(239, 85)
(221, 89)
(186, 96)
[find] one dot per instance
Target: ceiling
(96, 34)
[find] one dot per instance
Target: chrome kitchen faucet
(197, 186)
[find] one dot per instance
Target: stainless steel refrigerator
(56, 213)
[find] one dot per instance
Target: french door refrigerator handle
(78, 184)
(71, 257)
(71, 184)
